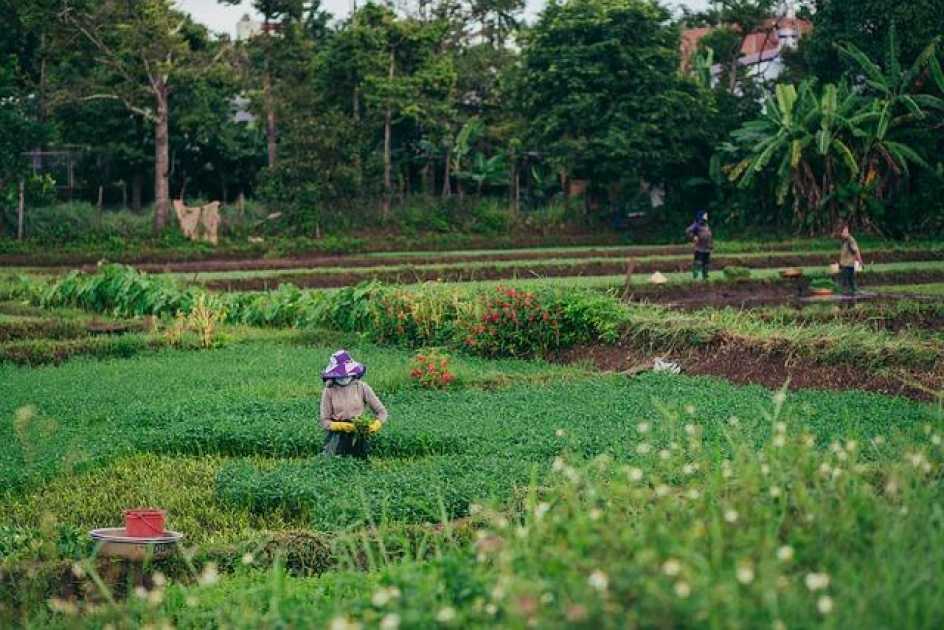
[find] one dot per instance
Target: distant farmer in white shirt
(849, 255)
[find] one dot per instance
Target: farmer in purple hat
(344, 398)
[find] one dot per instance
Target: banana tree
(462, 147)
(801, 143)
(483, 170)
(899, 102)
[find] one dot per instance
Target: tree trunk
(447, 187)
(137, 191)
(388, 132)
(271, 131)
(515, 188)
(161, 159)
(20, 210)
(124, 195)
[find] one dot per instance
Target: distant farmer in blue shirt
(700, 235)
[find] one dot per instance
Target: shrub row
(35, 352)
(19, 328)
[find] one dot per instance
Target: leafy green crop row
(261, 399)
(255, 398)
(335, 493)
(489, 321)
(704, 526)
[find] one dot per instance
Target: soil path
(744, 365)
(420, 273)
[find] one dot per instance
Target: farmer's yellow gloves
(343, 427)
(375, 426)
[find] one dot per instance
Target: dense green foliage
(457, 116)
(867, 25)
(842, 152)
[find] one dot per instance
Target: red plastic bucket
(144, 522)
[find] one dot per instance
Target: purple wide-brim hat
(342, 365)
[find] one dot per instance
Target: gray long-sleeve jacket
(340, 404)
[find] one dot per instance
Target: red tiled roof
(763, 39)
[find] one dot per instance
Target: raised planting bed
(550, 268)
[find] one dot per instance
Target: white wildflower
(635, 474)
(731, 516)
(643, 427)
(541, 509)
(682, 589)
(824, 604)
(671, 567)
(745, 573)
(775, 491)
(446, 615)
(643, 448)
(209, 575)
(390, 622)
(785, 553)
(381, 598)
(598, 580)
(665, 454)
(779, 441)
(248, 558)
(816, 581)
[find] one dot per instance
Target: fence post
(19, 211)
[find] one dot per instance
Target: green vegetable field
(534, 472)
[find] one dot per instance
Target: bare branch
(110, 56)
(148, 115)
